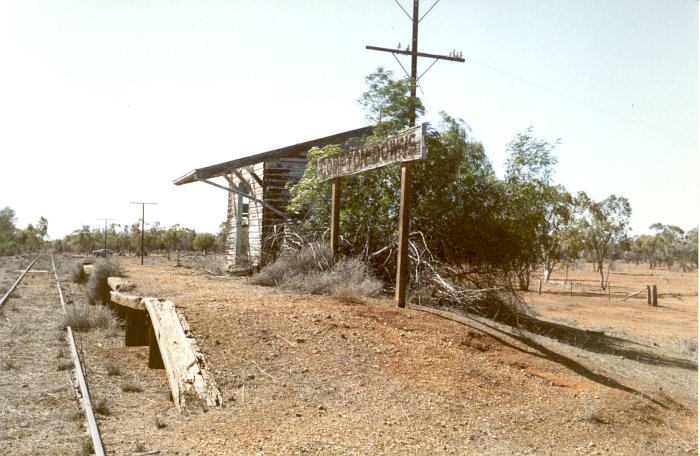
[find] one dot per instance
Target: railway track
(38, 414)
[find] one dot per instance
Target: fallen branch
(290, 343)
(635, 294)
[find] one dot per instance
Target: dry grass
(587, 305)
(591, 412)
(113, 370)
(688, 345)
(8, 364)
(313, 271)
(131, 386)
(19, 329)
(64, 366)
(101, 407)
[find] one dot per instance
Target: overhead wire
(574, 100)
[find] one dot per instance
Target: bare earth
(304, 374)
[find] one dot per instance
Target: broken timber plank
(190, 382)
(134, 302)
(120, 284)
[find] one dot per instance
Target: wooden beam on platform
(190, 383)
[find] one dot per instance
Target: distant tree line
(14, 240)
(120, 238)
(466, 217)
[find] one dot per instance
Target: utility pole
(407, 167)
(143, 222)
(105, 247)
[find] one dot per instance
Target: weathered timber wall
(251, 251)
(265, 227)
(279, 174)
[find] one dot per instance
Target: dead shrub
(64, 366)
(78, 274)
(86, 318)
(160, 424)
(113, 370)
(131, 386)
(97, 289)
(591, 412)
(8, 364)
(101, 407)
(354, 281)
(312, 270)
(87, 448)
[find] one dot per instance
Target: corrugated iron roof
(298, 150)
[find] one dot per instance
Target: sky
(106, 102)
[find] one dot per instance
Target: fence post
(540, 290)
(654, 297)
(649, 294)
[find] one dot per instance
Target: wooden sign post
(406, 166)
(404, 148)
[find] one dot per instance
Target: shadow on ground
(595, 342)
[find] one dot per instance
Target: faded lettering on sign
(405, 146)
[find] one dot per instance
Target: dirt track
(305, 374)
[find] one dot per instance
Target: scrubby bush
(86, 318)
(97, 289)
(312, 270)
(78, 274)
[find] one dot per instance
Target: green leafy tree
(690, 247)
(538, 213)
(453, 192)
(221, 236)
(8, 219)
(604, 226)
(204, 242)
(387, 102)
(33, 238)
(673, 245)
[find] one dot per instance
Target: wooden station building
(258, 195)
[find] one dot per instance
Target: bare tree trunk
(524, 279)
(602, 276)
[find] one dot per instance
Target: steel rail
(82, 383)
(12, 288)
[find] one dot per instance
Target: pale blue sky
(106, 102)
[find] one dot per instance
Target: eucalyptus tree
(604, 227)
(8, 219)
(453, 190)
(539, 213)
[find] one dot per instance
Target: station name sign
(407, 145)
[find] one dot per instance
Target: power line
(143, 223)
(574, 100)
(406, 167)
